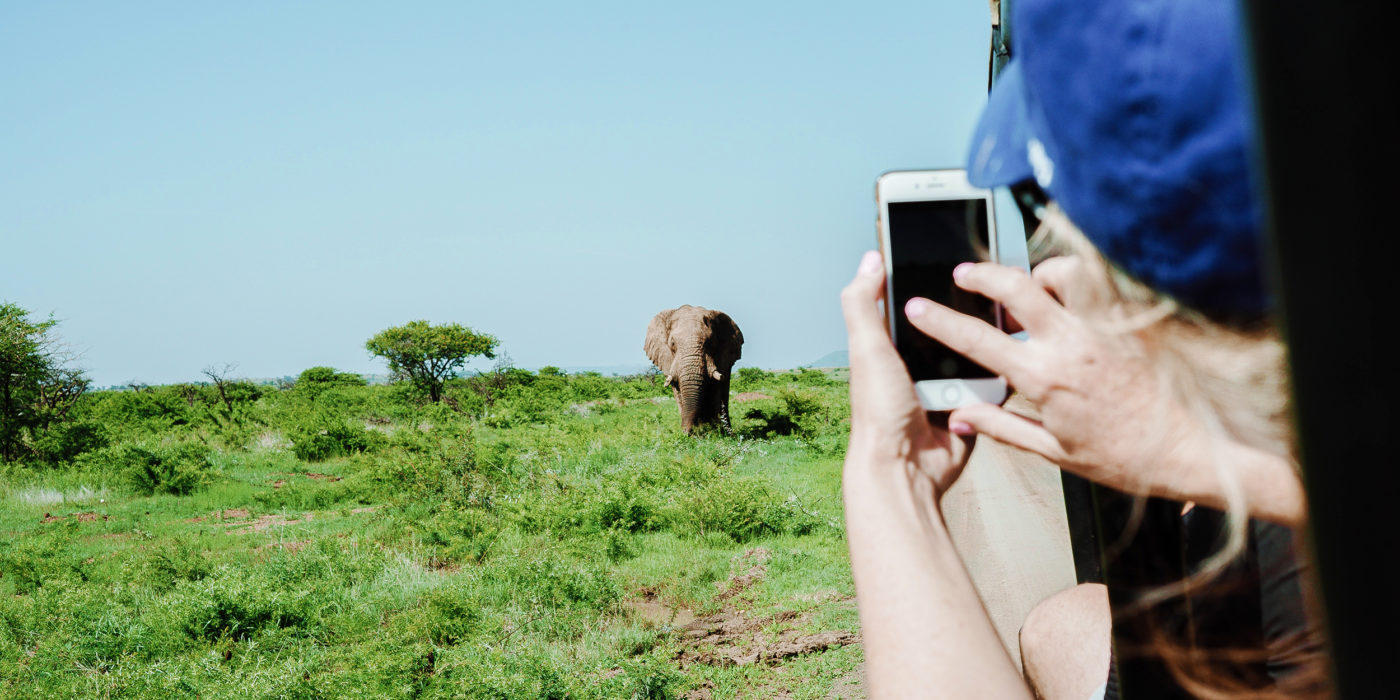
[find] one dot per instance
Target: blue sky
(269, 184)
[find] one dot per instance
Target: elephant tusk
(717, 375)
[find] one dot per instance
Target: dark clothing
(1255, 605)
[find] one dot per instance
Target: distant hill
(835, 358)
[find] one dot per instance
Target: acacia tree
(37, 388)
(428, 355)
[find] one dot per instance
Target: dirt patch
(366, 509)
(750, 396)
(752, 563)
(320, 477)
(279, 483)
(655, 612)
(729, 638)
(732, 637)
(86, 517)
(850, 686)
(266, 522)
(821, 596)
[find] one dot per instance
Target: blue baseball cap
(1134, 116)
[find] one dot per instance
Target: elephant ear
(726, 339)
(658, 342)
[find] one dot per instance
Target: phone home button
(952, 395)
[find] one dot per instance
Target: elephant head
(696, 348)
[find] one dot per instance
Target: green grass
(520, 545)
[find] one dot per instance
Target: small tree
(221, 381)
(37, 388)
(428, 355)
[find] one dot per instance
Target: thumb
(859, 298)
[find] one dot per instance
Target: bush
(742, 508)
(793, 413)
(178, 469)
(236, 605)
(806, 376)
(558, 583)
(168, 563)
(31, 563)
(625, 509)
(752, 378)
(452, 613)
(327, 439)
(322, 376)
(62, 443)
(152, 410)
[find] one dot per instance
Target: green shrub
(322, 376)
(792, 413)
(178, 469)
(752, 379)
(149, 409)
(626, 509)
(33, 562)
(329, 438)
(806, 376)
(453, 613)
(649, 678)
(454, 534)
(63, 442)
(167, 563)
(238, 606)
(741, 507)
(559, 583)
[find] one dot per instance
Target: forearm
(925, 631)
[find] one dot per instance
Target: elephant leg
(722, 392)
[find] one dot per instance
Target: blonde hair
(1229, 376)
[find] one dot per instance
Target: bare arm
(926, 633)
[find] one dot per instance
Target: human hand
(1104, 412)
(1096, 393)
(891, 436)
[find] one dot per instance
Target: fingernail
(915, 307)
(958, 427)
(870, 264)
(961, 270)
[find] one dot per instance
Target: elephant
(696, 348)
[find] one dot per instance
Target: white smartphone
(930, 221)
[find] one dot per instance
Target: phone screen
(927, 240)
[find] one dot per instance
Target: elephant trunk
(689, 371)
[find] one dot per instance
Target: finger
(1032, 306)
(859, 298)
(970, 337)
(1063, 277)
(879, 382)
(1004, 426)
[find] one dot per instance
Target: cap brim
(998, 154)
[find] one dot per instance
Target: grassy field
(535, 536)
